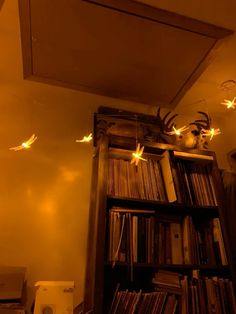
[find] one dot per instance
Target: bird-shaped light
(137, 155)
(86, 139)
(25, 145)
(229, 103)
(212, 132)
(178, 131)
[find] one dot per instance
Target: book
(176, 243)
(135, 238)
(127, 302)
(167, 176)
(187, 256)
(218, 238)
(167, 281)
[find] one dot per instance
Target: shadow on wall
(1, 3)
(232, 159)
(229, 179)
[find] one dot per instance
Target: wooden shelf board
(171, 266)
(162, 207)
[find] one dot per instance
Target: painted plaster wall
(44, 191)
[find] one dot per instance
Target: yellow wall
(227, 140)
(44, 191)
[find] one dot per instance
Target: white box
(54, 297)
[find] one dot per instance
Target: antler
(165, 126)
(201, 123)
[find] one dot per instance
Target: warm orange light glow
(85, 139)
(25, 145)
(137, 155)
(49, 207)
(69, 175)
(212, 132)
(229, 103)
(178, 131)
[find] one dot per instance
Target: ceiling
(118, 48)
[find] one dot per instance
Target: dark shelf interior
(163, 207)
(182, 268)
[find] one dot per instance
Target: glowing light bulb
(85, 139)
(230, 104)
(178, 131)
(137, 155)
(25, 145)
(212, 132)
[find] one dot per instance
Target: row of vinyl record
(195, 295)
(127, 302)
(207, 295)
(198, 294)
(143, 237)
(144, 181)
(162, 179)
(193, 183)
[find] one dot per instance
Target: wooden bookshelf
(137, 231)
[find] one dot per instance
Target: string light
(25, 145)
(137, 155)
(178, 131)
(230, 104)
(85, 139)
(212, 132)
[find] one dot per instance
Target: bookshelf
(155, 222)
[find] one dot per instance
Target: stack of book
(203, 242)
(193, 183)
(163, 179)
(207, 295)
(167, 281)
(144, 181)
(175, 293)
(141, 236)
(127, 302)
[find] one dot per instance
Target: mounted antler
(201, 123)
(165, 126)
(203, 129)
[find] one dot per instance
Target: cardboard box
(8, 311)
(11, 284)
(54, 297)
(12, 290)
